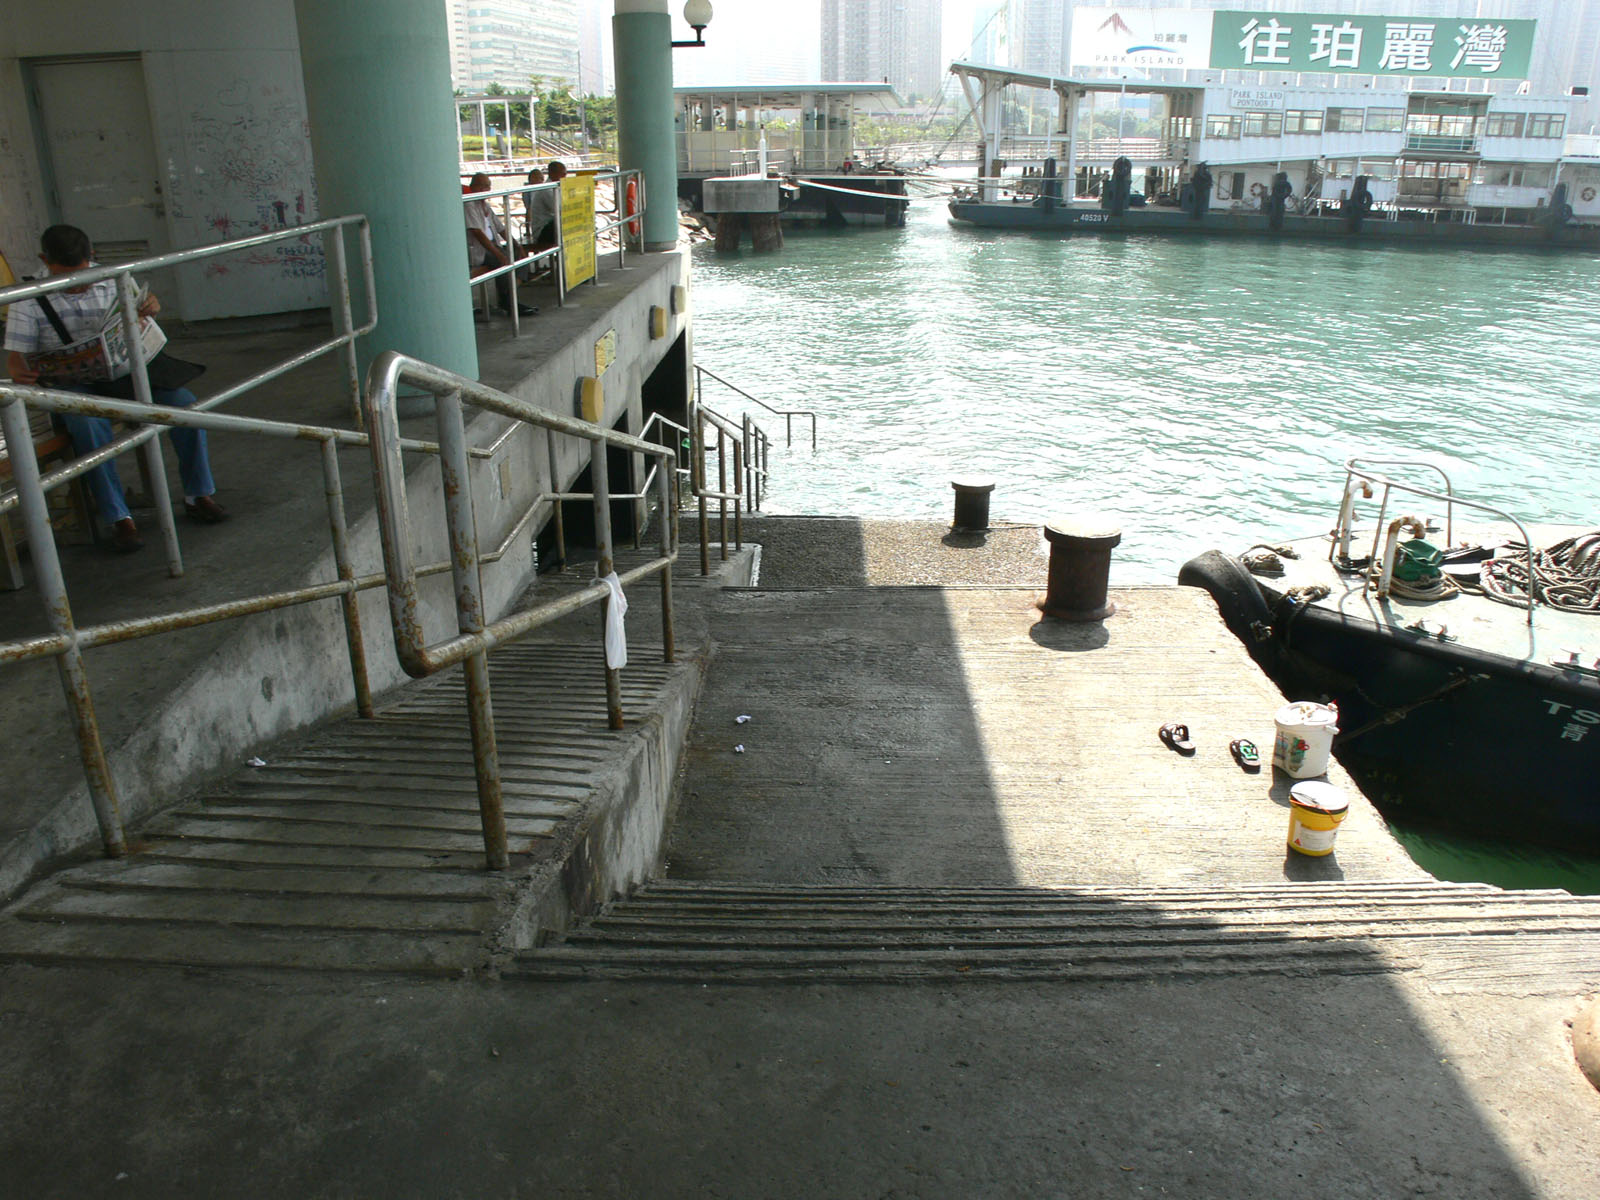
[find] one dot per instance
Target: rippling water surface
(1204, 392)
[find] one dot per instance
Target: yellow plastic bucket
(1316, 810)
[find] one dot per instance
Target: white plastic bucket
(1305, 738)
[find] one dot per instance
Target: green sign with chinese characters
(1341, 44)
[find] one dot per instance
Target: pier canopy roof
(991, 76)
(784, 95)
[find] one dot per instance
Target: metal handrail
(475, 636)
(519, 262)
(144, 438)
(786, 413)
(1448, 497)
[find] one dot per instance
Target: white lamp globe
(697, 14)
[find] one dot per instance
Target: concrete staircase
(359, 848)
(736, 932)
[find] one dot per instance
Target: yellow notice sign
(605, 351)
(577, 229)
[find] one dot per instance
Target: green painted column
(383, 133)
(641, 38)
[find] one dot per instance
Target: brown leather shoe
(125, 537)
(205, 510)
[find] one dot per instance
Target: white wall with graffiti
(229, 152)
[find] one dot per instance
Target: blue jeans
(90, 433)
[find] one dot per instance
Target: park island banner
(1136, 40)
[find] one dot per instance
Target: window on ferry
(1385, 120)
(1345, 120)
(1546, 125)
(1302, 121)
(1503, 125)
(1222, 127)
(1263, 124)
(1538, 177)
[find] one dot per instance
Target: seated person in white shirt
(487, 247)
(82, 311)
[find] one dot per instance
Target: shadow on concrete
(1071, 636)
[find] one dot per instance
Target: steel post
(343, 563)
(722, 487)
(555, 486)
(605, 565)
(738, 498)
(53, 590)
(667, 485)
(454, 471)
(697, 479)
(151, 449)
(333, 244)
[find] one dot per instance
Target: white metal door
(100, 153)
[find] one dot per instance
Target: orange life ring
(1258, 189)
(1588, 193)
(631, 203)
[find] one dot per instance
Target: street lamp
(696, 15)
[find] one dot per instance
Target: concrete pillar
(641, 35)
(383, 132)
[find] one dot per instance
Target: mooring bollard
(1080, 568)
(972, 503)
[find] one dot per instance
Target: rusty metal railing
(144, 439)
(475, 636)
(67, 641)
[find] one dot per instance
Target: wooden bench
(50, 447)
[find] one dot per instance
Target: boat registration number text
(1092, 218)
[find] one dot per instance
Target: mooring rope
(1565, 576)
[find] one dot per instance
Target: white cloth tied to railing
(616, 636)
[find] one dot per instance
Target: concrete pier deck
(1110, 977)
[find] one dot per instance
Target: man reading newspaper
(80, 320)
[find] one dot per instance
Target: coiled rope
(1565, 576)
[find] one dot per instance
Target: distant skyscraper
(510, 41)
(1039, 32)
(871, 40)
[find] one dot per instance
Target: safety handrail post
(343, 563)
(698, 481)
(605, 566)
(722, 488)
(150, 451)
(667, 483)
(555, 486)
(454, 470)
(344, 314)
(53, 587)
(738, 495)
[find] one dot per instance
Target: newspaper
(103, 356)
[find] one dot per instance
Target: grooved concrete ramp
(951, 736)
(360, 848)
(1472, 934)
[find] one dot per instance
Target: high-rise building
(1039, 33)
(509, 42)
(894, 40)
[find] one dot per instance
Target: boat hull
(1434, 732)
(1067, 220)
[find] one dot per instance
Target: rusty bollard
(1080, 568)
(972, 503)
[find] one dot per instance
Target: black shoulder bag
(165, 371)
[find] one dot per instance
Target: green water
(1205, 393)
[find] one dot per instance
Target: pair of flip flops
(1175, 735)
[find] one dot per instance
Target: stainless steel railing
(67, 641)
(788, 414)
(144, 439)
(624, 217)
(476, 636)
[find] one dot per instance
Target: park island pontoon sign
(1459, 47)
(1331, 43)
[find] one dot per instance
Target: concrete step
(359, 847)
(776, 933)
